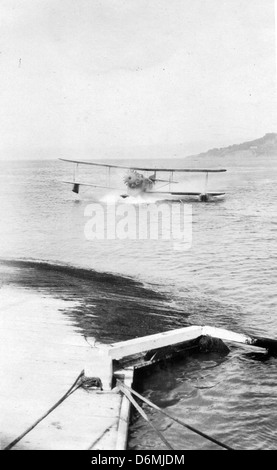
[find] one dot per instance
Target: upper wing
(171, 170)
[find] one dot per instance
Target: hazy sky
(83, 74)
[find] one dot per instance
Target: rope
(102, 435)
(144, 415)
(182, 423)
(81, 381)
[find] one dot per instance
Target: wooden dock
(42, 354)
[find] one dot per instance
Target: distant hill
(266, 145)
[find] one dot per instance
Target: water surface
(129, 288)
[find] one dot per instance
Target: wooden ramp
(41, 356)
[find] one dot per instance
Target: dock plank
(81, 420)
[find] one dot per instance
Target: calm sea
(125, 288)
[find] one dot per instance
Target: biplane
(141, 181)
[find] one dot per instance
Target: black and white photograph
(138, 227)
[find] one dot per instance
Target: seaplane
(144, 182)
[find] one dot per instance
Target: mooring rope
(144, 415)
(81, 381)
(124, 387)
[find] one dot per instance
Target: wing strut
(170, 179)
(206, 182)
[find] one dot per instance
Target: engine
(135, 180)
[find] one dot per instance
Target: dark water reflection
(108, 307)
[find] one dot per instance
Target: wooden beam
(160, 340)
(125, 411)
(260, 342)
(117, 351)
(225, 334)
